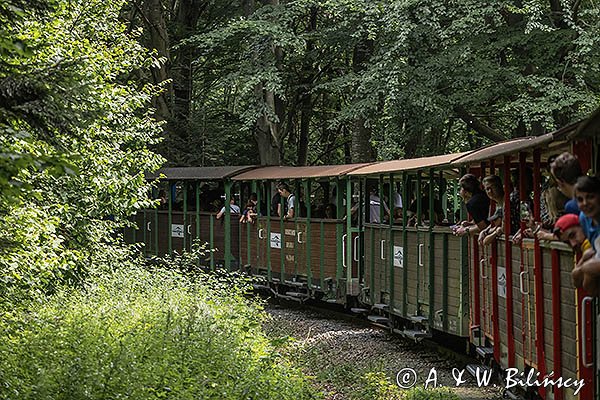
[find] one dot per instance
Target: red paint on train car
(481, 260)
(538, 275)
(522, 226)
(476, 312)
(556, 321)
(508, 265)
(494, 266)
(583, 150)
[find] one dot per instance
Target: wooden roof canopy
(284, 172)
(408, 164)
(198, 173)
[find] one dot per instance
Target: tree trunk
(152, 13)
(361, 148)
(268, 133)
(305, 95)
(187, 14)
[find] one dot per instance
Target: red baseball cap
(565, 222)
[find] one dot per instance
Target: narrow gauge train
(514, 305)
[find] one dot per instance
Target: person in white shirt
(234, 209)
(284, 191)
(375, 205)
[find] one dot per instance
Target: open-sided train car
(186, 214)
(523, 306)
(311, 255)
(415, 273)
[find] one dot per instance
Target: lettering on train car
(177, 230)
(398, 256)
(275, 240)
(502, 282)
(290, 232)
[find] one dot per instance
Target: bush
(140, 335)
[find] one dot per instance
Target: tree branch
(475, 124)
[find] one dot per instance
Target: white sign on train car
(275, 240)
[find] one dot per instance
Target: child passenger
(587, 272)
(249, 214)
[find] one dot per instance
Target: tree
(79, 128)
(301, 82)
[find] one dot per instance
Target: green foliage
(518, 67)
(376, 385)
(137, 334)
(74, 136)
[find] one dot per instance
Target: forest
(95, 94)
(299, 82)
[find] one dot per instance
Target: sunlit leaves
(74, 136)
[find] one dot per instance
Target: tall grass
(138, 334)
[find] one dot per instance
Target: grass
(138, 334)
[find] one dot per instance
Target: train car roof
(504, 148)
(407, 164)
(287, 172)
(589, 127)
(199, 173)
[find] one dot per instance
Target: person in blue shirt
(587, 194)
(587, 273)
(565, 170)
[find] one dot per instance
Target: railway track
(349, 349)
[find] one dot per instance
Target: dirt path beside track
(347, 357)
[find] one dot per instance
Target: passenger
(276, 205)
(284, 191)
(375, 205)
(396, 197)
(234, 209)
(554, 202)
(587, 194)
(162, 199)
(494, 190)
(438, 212)
(330, 211)
(398, 217)
(587, 272)
(496, 227)
(520, 210)
(568, 230)
(565, 170)
(250, 212)
(478, 205)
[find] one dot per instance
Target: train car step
(379, 306)
(476, 370)
(297, 295)
(378, 319)
(485, 352)
(415, 334)
(419, 319)
(295, 283)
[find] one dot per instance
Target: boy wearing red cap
(568, 230)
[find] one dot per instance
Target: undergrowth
(140, 334)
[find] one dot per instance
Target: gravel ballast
(334, 349)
